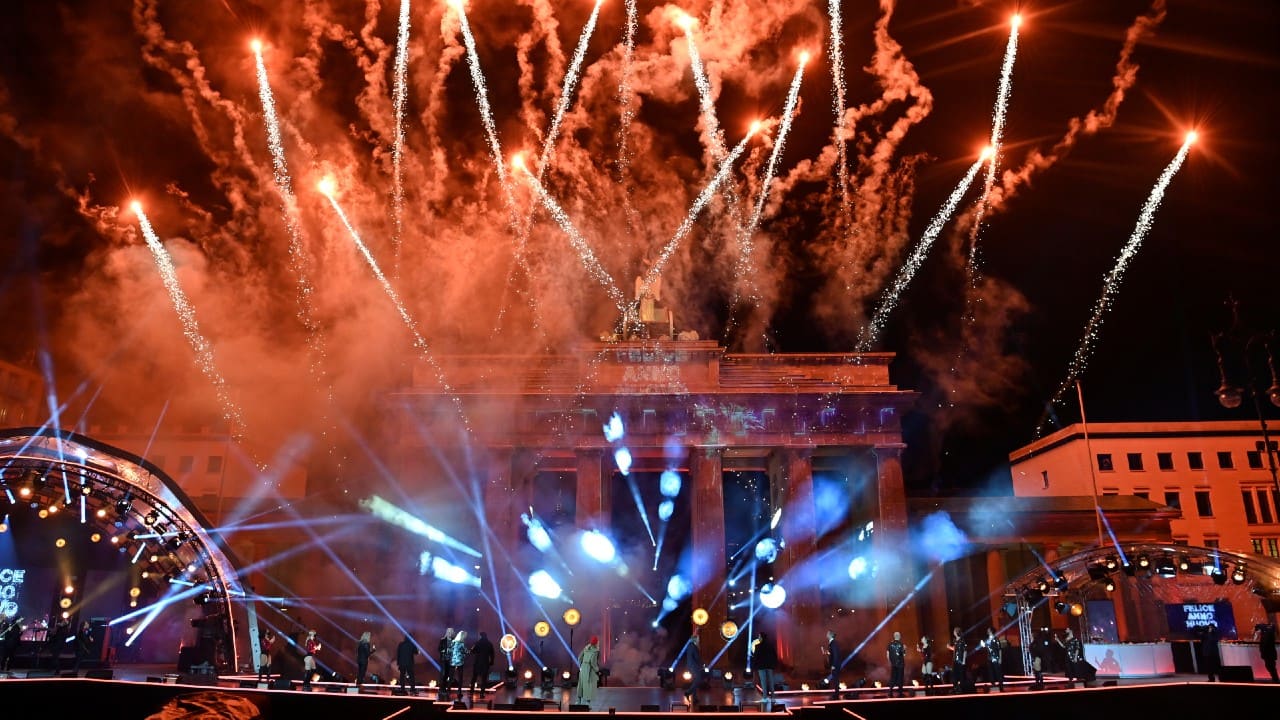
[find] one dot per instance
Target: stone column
(590, 508)
(591, 513)
(896, 585)
(791, 484)
(708, 557)
(996, 580)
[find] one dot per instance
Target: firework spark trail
(588, 257)
(788, 112)
(204, 353)
(486, 112)
(872, 331)
(566, 91)
(997, 135)
(836, 51)
(280, 169)
(715, 135)
(698, 204)
(399, 97)
(1111, 282)
(626, 102)
(419, 342)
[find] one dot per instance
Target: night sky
(102, 103)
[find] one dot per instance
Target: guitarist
(10, 636)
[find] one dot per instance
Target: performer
(405, 653)
(446, 642)
(57, 638)
(84, 645)
(925, 648)
(764, 660)
(1075, 654)
(995, 655)
(481, 661)
(1210, 654)
(588, 671)
(1039, 656)
(959, 661)
(834, 662)
(697, 671)
(310, 647)
(12, 636)
(264, 656)
(364, 649)
(457, 659)
(1265, 635)
(897, 656)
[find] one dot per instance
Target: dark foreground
(163, 698)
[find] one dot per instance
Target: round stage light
(507, 643)
(60, 542)
(700, 617)
(728, 629)
(772, 596)
(542, 628)
(572, 616)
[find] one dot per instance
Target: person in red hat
(589, 671)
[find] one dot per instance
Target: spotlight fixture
(1238, 575)
(1184, 563)
(1060, 583)
(1144, 562)
(123, 505)
(1110, 586)
(1042, 585)
(1061, 608)
(1219, 577)
(1111, 562)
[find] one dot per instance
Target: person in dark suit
(1265, 635)
(57, 638)
(764, 661)
(83, 645)
(481, 661)
(1210, 653)
(406, 651)
(444, 652)
(697, 671)
(834, 662)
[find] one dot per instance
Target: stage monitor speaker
(528, 704)
(707, 708)
(579, 708)
(197, 678)
(282, 683)
(99, 674)
(730, 708)
(651, 708)
(1236, 673)
(40, 673)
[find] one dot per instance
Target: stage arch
(134, 505)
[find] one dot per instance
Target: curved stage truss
(141, 509)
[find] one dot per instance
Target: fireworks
(566, 92)
(1111, 282)
(328, 188)
(908, 271)
(399, 98)
(190, 328)
(836, 52)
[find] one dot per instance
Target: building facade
(1216, 474)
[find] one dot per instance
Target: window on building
(1164, 461)
(1173, 499)
(1195, 461)
(185, 463)
(215, 464)
(1135, 461)
(1224, 460)
(1255, 459)
(1250, 513)
(1204, 506)
(1273, 547)
(1211, 542)
(1264, 506)
(1257, 545)
(1104, 461)
(1144, 494)
(1110, 492)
